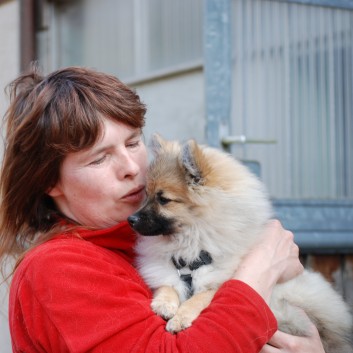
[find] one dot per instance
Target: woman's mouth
(136, 195)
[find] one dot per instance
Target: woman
(73, 170)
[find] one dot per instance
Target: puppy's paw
(178, 323)
(164, 309)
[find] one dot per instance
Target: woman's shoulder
(61, 248)
(69, 257)
(70, 284)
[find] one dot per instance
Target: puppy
(204, 211)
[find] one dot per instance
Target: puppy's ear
(191, 160)
(156, 144)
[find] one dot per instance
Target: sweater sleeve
(76, 298)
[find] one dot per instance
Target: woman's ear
(55, 191)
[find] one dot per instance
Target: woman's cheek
(143, 162)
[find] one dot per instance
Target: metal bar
(342, 4)
(324, 243)
(319, 226)
(242, 140)
(218, 69)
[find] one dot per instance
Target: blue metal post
(218, 69)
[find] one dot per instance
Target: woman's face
(104, 184)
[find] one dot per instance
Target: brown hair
(48, 118)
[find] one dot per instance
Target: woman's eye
(133, 144)
(99, 160)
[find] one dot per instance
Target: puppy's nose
(133, 219)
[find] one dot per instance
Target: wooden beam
(348, 279)
(27, 33)
(4, 1)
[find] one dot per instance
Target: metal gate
(279, 96)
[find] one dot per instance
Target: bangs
(71, 123)
(77, 109)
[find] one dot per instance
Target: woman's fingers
(285, 343)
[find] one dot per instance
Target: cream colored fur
(223, 213)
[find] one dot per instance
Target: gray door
(290, 76)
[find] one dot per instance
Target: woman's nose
(128, 167)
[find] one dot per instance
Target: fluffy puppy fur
(201, 199)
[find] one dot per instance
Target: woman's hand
(275, 259)
(284, 343)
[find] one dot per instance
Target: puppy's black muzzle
(151, 223)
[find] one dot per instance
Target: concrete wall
(9, 63)
(175, 106)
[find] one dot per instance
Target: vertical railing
(218, 69)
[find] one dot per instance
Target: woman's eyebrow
(136, 133)
(101, 149)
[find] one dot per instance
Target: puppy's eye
(162, 200)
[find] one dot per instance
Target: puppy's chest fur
(170, 260)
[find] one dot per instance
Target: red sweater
(83, 294)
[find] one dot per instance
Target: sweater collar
(119, 238)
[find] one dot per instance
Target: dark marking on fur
(155, 144)
(189, 163)
(150, 222)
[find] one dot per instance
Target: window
(293, 80)
(128, 38)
